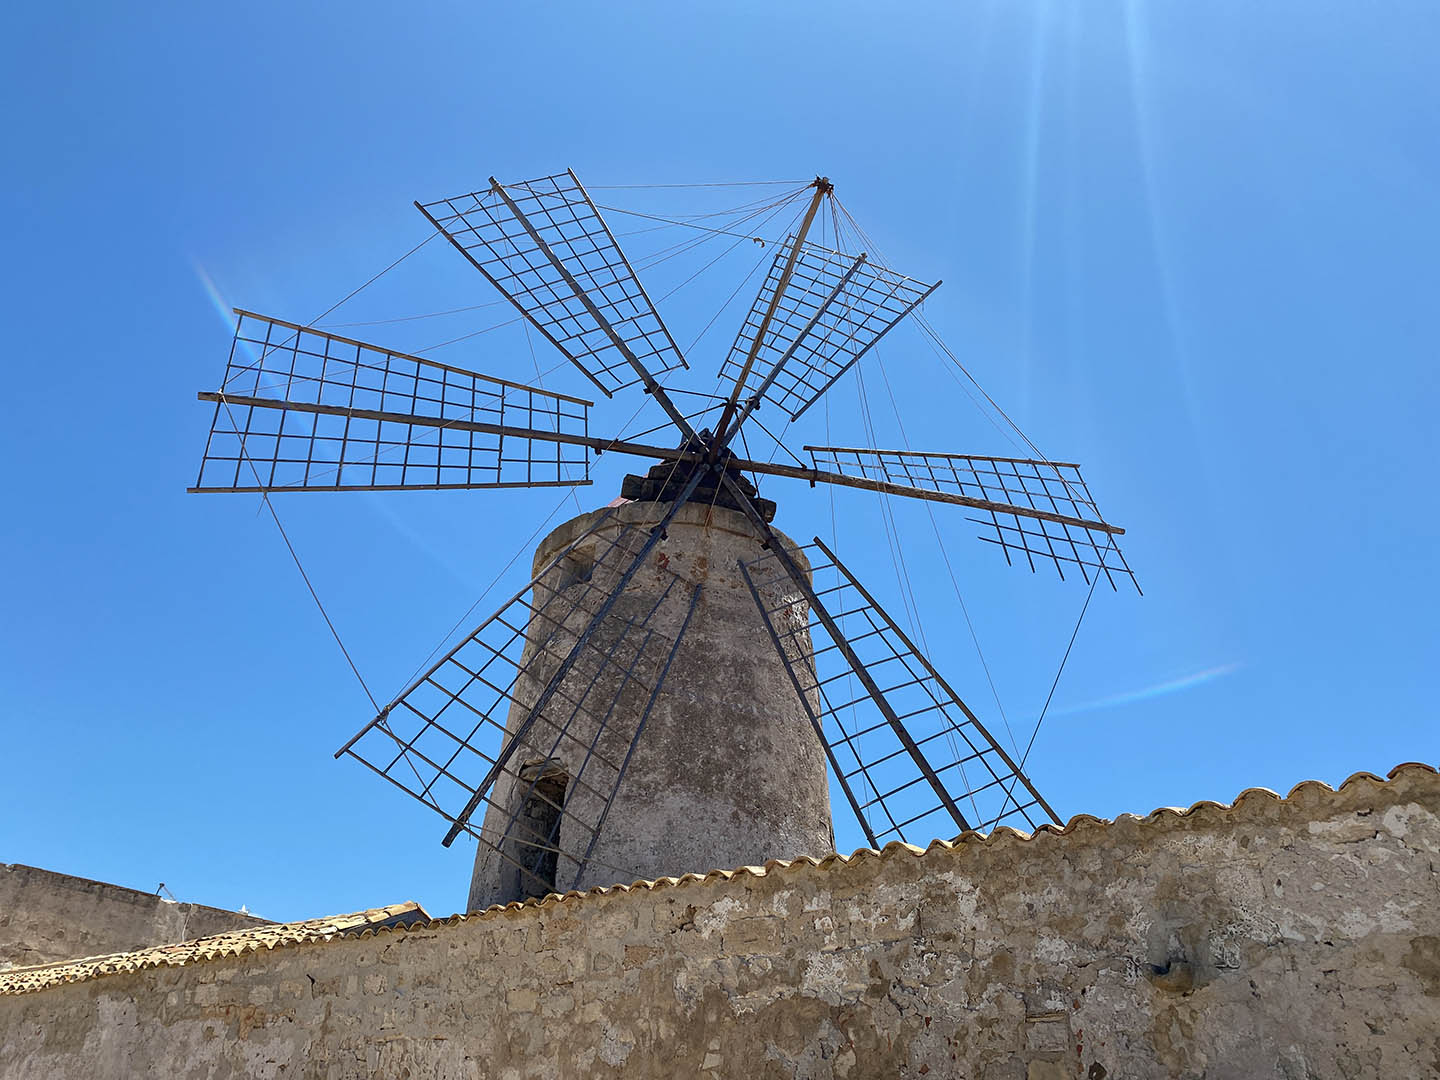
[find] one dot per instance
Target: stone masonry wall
(45, 916)
(1290, 939)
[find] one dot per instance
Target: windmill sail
(303, 410)
(912, 759)
(522, 734)
(1033, 510)
(544, 245)
(832, 310)
(465, 738)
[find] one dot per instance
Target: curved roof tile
(412, 916)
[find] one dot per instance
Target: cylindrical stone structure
(728, 770)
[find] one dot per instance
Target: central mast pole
(822, 187)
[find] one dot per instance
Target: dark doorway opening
(535, 838)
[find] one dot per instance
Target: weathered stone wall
(1291, 939)
(45, 916)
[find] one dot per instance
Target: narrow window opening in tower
(577, 567)
(533, 846)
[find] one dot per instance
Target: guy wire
(265, 498)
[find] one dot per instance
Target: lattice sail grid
(457, 741)
(1052, 488)
(899, 792)
(301, 409)
(544, 245)
(821, 326)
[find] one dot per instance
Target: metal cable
(374, 279)
(505, 569)
(1061, 670)
(912, 607)
(945, 555)
(413, 318)
(1009, 793)
(265, 499)
(726, 183)
(676, 221)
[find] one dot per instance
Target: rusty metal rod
(823, 187)
(817, 608)
(522, 730)
(754, 402)
(812, 450)
(320, 331)
(652, 387)
(662, 453)
(841, 776)
(970, 716)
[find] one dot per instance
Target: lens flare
(222, 306)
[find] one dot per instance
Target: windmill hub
(667, 481)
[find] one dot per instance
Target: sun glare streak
(1170, 686)
(224, 309)
(968, 115)
(217, 299)
(1136, 68)
(1029, 204)
(1074, 353)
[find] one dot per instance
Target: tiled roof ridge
(228, 943)
(281, 935)
(1003, 834)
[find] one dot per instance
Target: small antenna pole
(823, 187)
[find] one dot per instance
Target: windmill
(525, 734)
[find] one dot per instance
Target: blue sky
(1190, 246)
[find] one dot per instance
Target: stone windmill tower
(728, 772)
(679, 686)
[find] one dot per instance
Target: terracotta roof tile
(232, 943)
(411, 916)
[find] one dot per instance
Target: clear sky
(1191, 246)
